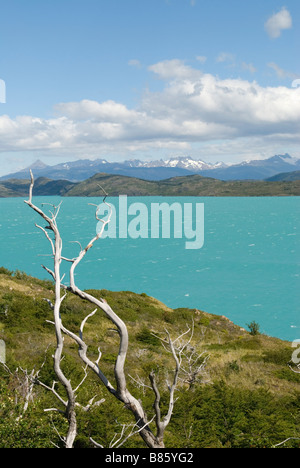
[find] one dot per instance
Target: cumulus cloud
(232, 103)
(108, 111)
(193, 108)
(278, 22)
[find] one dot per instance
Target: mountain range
(77, 171)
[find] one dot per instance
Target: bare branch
(83, 355)
(47, 236)
(286, 440)
(50, 272)
(52, 390)
(122, 438)
(82, 381)
(139, 382)
(84, 322)
(96, 443)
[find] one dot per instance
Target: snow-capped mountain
(188, 163)
(192, 164)
(259, 169)
(75, 171)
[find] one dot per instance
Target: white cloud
(226, 108)
(173, 69)
(108, 111)
(192, 109)
(278, 22)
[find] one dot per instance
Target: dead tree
(119, 389)
(23, 386)
(191, 364)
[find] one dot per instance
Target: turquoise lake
(247, 270)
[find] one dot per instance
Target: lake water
(247, 270)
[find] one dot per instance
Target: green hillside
(248, 396)
(194, 185)
(43, 187)
(286, 176)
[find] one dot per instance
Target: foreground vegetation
(248, 396)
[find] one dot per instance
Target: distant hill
(43, 187)
(77, 171)
(193, 185)
(285, 176)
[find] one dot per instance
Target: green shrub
(287, 374)
(254, 328)
(233, 366)
(145, 336)
(204, 321)
(278, 356)
(220, 416)
(5, 271)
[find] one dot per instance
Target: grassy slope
(246, 363)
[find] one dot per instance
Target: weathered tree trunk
(121, 391)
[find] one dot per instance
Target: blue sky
(121, 79)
